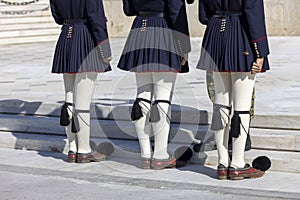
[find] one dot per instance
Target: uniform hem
(80, 72)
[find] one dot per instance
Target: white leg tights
(69, 80)
(143, 127)
(160, 85)
(242, 87)
(82, 89)
(239, 87)
(163, 90)
(223, 97)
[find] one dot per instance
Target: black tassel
(248, 145)
(154, 113)
(75, 123)
(64, 115)
(136, 112)
(183, 153)
(235, 128)
(216, 122)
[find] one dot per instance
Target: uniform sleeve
(58, 19)
(204, 12)
(179, 23)
(255, 16)
(97, 20)
(128, 8)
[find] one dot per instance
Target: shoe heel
(236, 177)
(222, 177)
(159, 167)
(83, 161)
(146, 167)
(71, 160)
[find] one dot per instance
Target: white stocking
(69, 80)
(142, 125)
(243, 84)
(222, 83)
(83, 91)
(163, 90)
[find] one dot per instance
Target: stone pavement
(37, 174)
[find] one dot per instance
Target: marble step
(281, 161)
(180, 114)
(23, 8)
(278, 140)
(26, 19)
(29, 33)
(28, 39)
(18, 16)
(29, 26)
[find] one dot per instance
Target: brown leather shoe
(222, 172)
(246, 172)
(146, 163)
(72, 157)
(90, 157)
(158, 164)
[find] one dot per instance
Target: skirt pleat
(229, 50)
(150, 47)
(77, 53)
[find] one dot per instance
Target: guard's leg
(163, 90)
(243, 84)
(221, 115)
(140, 114)
(66, 114)
(84, 88)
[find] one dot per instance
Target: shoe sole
(90, 160)
(222, 177)
(242, 176)
(71, 160)
(146, 166)
(159, 167)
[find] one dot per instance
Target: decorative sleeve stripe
(260, 39)
(104, 41)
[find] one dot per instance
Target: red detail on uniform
(104, 41)
(260, 39)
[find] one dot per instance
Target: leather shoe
(245, 172)
(146, 163)
(222, 172)
(90, 157)
(72, 157)
(158, 164)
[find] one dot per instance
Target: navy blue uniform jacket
(90, 10)
(174, 12)
(253, 13)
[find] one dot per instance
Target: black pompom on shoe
(106, 148)
(262, 163)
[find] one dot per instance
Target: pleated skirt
(77, 52)
(227, 49)
(150, 47)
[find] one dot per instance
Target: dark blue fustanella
(83, 42)
(235, 35)
(159, 36)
